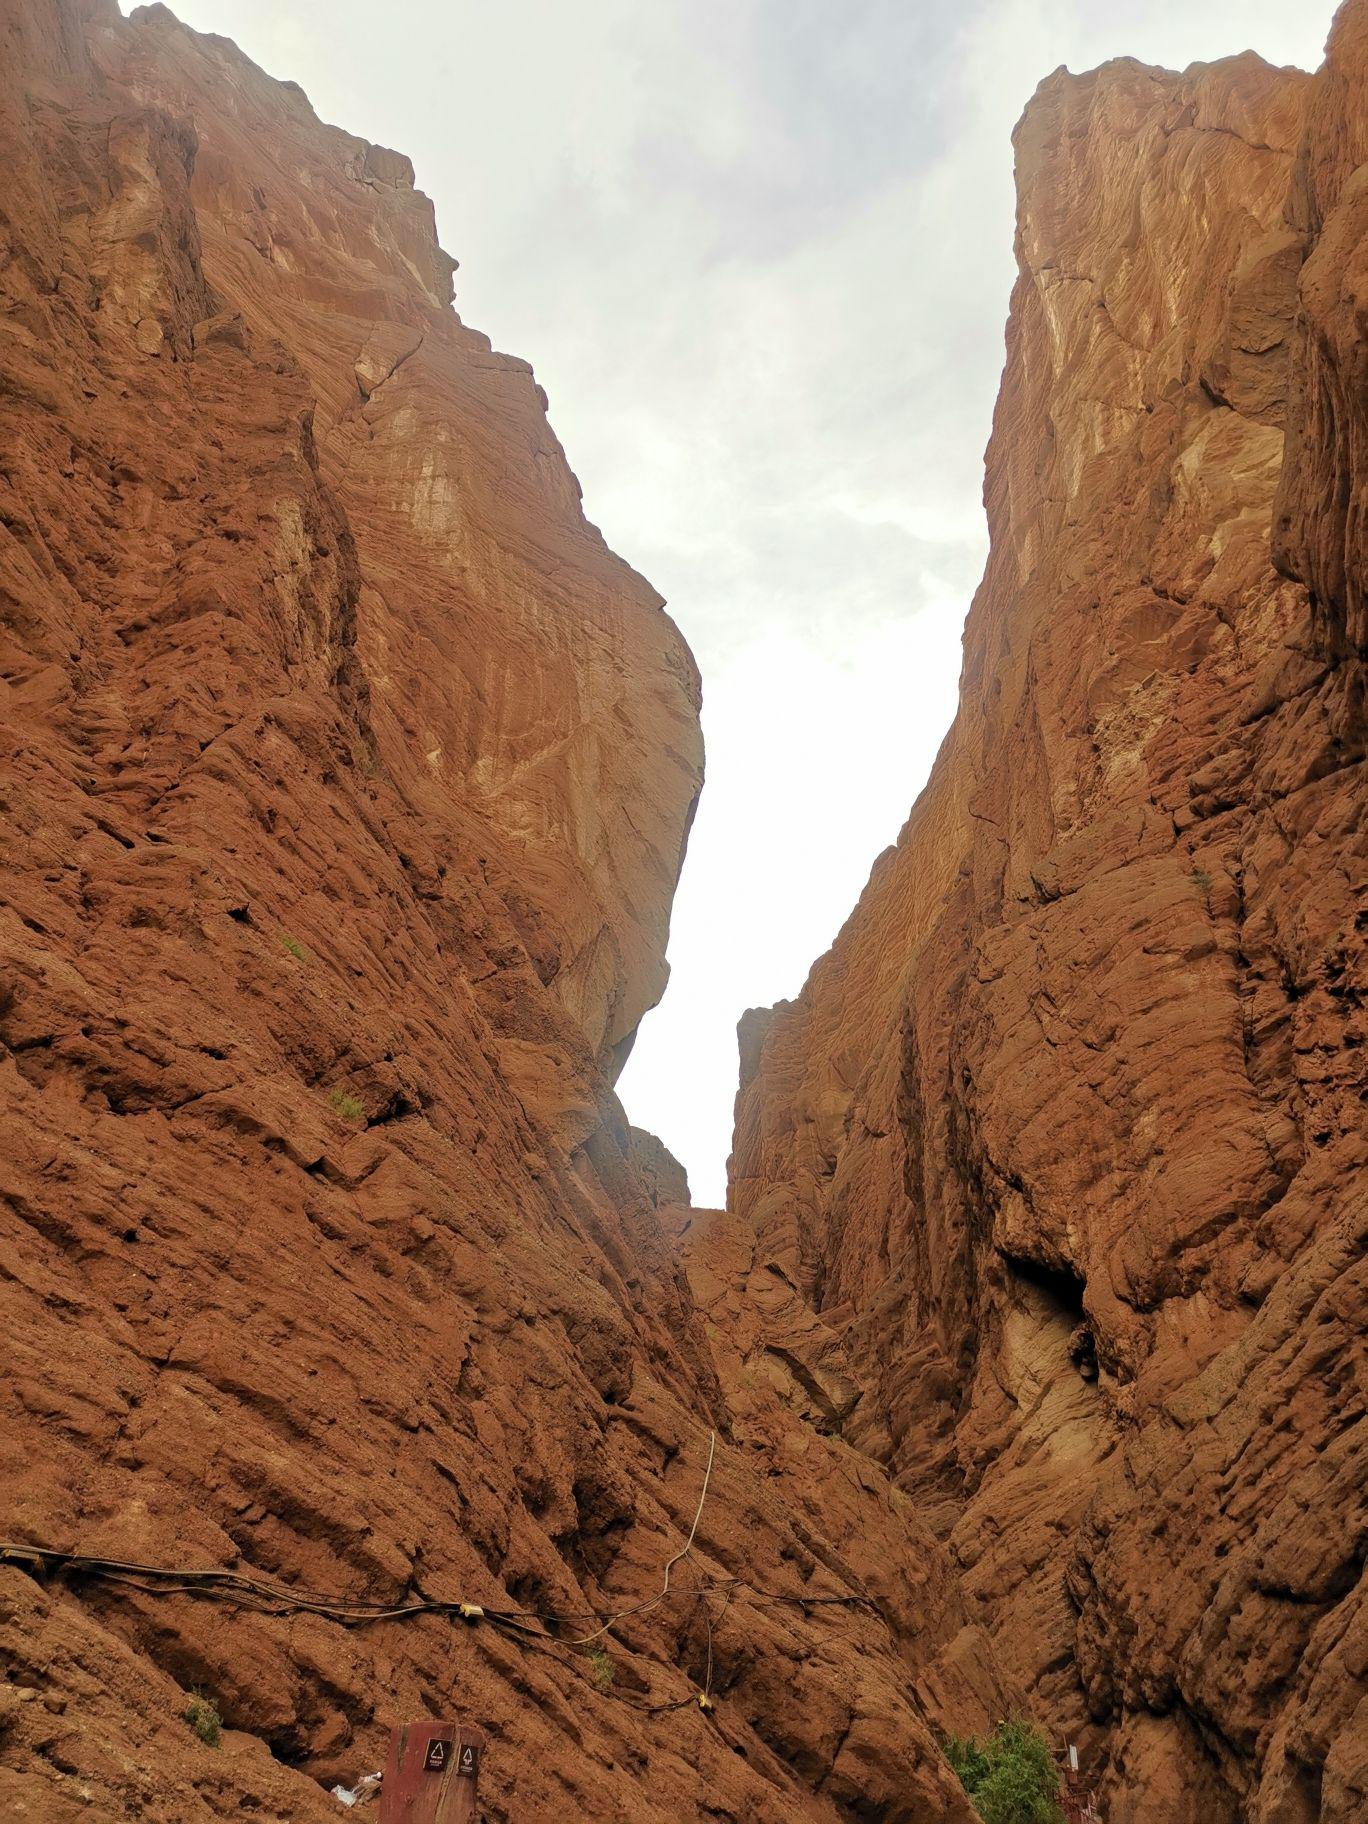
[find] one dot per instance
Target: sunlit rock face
(346, 777)
(1064, 1141)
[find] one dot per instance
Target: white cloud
(759, 253)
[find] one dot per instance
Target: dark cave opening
(1062, 1286)
(1063, 1289)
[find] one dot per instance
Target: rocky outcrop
(665, 1179)
(1319, 528)
(346, 778)
(1063, 1143)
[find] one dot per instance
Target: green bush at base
(1012, 1777)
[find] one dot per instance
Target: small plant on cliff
(347, 1106)
(967, 1759)
(293, 947)
(202, 1714)
(1201, 880)
(602, 1668)
(1012, 1777)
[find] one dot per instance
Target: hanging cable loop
(643, 1608)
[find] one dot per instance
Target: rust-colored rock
(664, 1177)
(345, 780)
(1064, 1142)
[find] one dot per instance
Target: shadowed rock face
(345, 781)
(1064, 1142)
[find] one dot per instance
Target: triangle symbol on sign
(467, 1758)
(438, 1753)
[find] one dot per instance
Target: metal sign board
(432, 1774)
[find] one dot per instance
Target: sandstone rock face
(665, 1179)
(1063, 1146)
(346, 777)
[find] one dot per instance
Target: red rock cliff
(345, 781)
(1064, 1141)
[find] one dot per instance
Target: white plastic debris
(362, 1793)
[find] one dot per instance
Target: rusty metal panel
(1077, 1802)
(432, 1774)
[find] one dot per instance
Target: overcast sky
(759, 253)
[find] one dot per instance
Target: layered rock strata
(345, 781)
(1064, 1142)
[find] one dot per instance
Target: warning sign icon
(469, 1764)
(438, 1752)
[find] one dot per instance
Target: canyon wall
(1064, 1143)
(346, 777)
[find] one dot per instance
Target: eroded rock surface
(346, 777)
(1064, 1143)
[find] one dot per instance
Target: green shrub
(602, 1668)
(1012, 1777)
(1201, 880)
(202, 1714)
(293, 947)
(968, 1761)
(347, 1106)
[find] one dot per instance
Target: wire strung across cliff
(268, 1598)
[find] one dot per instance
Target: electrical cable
(269, 1598)
(643, 1608)
(266, 1597)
